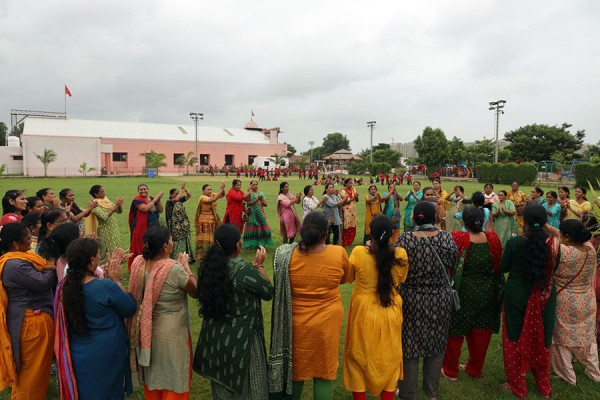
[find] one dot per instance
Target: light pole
(196, 117)
(497, 106)
(311, 143)
(371, 124)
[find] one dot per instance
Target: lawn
(466, 388)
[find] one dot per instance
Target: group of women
(417, 296)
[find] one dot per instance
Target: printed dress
(257, 231)
(426, 296)
(207, 221)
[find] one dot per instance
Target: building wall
(12, 157)
(126, 158)
(71, 152)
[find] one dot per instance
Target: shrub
(524, 173)
(585, 173)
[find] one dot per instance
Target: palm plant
(47, 158)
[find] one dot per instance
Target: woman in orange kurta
(373, 339)
(315, 273)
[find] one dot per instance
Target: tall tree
(592, 151)
(481, 150)
(382, 155)
(291, 150)
(47, 158)
(456, 150)
(3, 134)
(432, 147)
(334, 142)
(17, 130)
(538, 142)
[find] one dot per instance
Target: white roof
(138, 130)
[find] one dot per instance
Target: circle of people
(417, 294)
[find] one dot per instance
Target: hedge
(585, 173)
(523, 174)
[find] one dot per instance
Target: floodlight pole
(196, 117)
(371, 124)
(311, 143)
(497, 107)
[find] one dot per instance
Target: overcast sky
(309, 67)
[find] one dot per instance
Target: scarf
(8, 367)
(91, 222)
(280, 353)
(138, 224)
(531, 344)
(62, 350)
(139, 325)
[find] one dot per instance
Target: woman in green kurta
(479, 283)
(529, 303)
(231, 348)
(103, 222)
(503, 213)
(256, 231)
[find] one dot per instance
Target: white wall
(71, 152)
(6, 157)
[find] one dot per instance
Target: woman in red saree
(529, 303)
(235, 206)
(143, 213)
(350, 219)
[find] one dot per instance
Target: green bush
(357, 168)
(585, 173)
(524, 173)
(379, 167)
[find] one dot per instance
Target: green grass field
(466, 388)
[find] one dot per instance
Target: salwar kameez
(391, 208)
(349, 216)
(505, 225)
(289, 223)
(179, 225)
(107, 227)
(373, 208)
(206, 222)
(529, 314)
(411, 201)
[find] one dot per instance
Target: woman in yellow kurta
(441, 197)
(373, 202)
(373, 339)
(207, 219)
(577, 206)
(519, 200)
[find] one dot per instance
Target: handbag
(455, 298)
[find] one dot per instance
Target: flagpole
(65, 94)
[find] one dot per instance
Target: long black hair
(59, 239)
(79, 256)
(382, 229)
(538, 253)
(313, 230)
(214, 286)
(8, 196)
(49, 217)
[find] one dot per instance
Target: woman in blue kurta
(412, 198)
(553, 209)
(92, 347)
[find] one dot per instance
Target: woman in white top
(310, 201)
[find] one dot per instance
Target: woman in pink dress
(289, 223)
(14, 205)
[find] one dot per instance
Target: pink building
(116, 148)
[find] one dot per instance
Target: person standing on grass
(103, 221)
(289, 223)
(307, 313)
(373, 339)
(391, 208)
(577, 206)
(235, 212)
(207, 219)
(231, 347)
(178, 221)
(412, 198)
(256, 231)
(373, 202)
(426, 301)
(519, 199)
(14, 205)
(143, 213)
(331, 203)
(576, 307)
(529, 303)
(503, 215)
(349, 212)
(479, 283)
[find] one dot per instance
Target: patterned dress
(349, 216)
(257, 231)
(411, 201)
(179, 225)
(207, 221)
(427, 298)
(231, 351)
(453, 224)
(108, 229)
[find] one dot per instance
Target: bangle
(259, 266)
